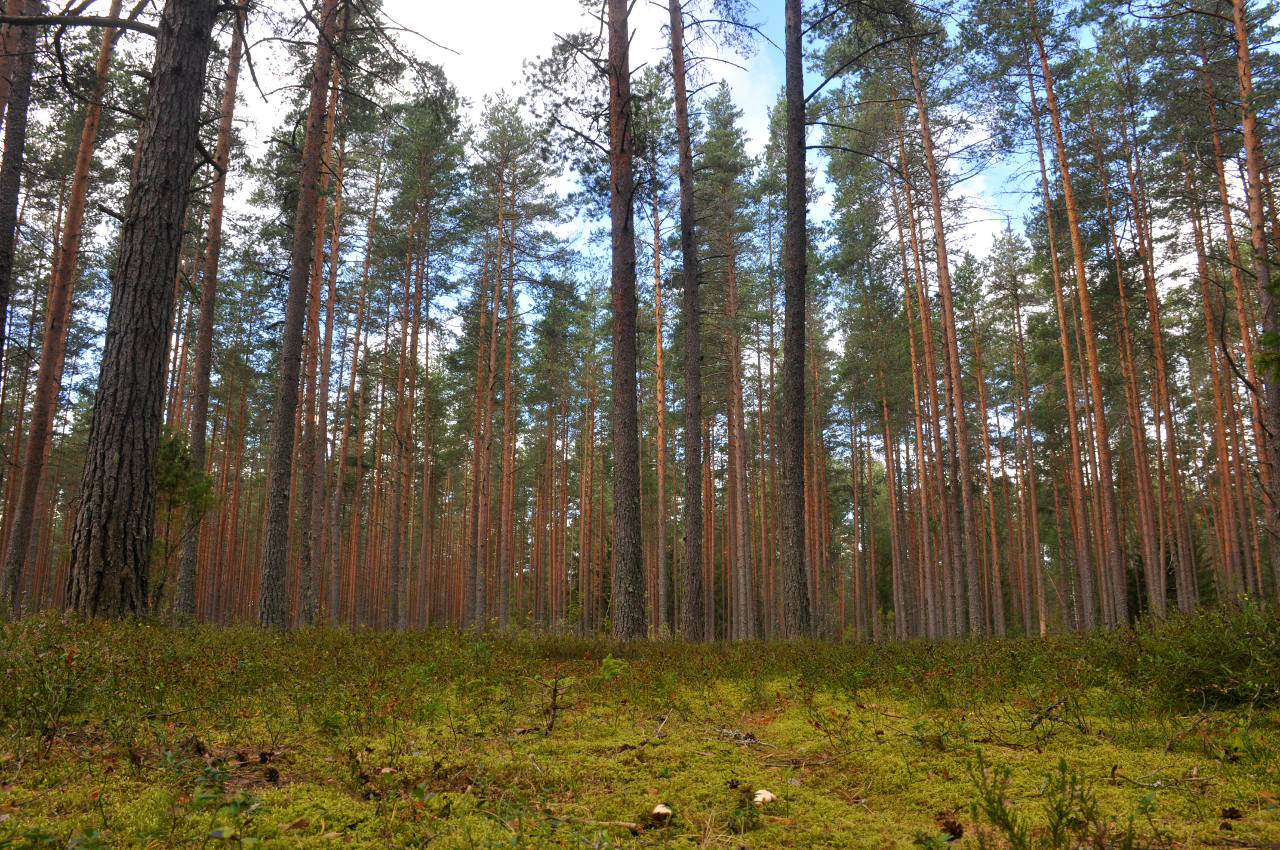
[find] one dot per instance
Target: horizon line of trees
(383, 391)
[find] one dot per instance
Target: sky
(485, 56)
(482, 46)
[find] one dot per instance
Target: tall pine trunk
(18, 552)
(15, 139)
(1112, 592)
(1086, 601)
(969, 518)
(185, 602)
(797, 616)
(628, 569)
(272, 602)
(111, 543)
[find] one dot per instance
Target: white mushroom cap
(763, 797)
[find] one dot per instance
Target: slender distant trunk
(995, 603)
(185, 601)
(900, 614)
(660, 385)
(1227, 563)
(932, 621)
(747, 626)
(15, 140)
(506, 531)
(948, 534)
(1262, 271)
(54, 346)
(272, 601)
(114, 528)
(1086, 596)
(312, 425)
(473, 480)
(1184, 567)
(484, 478)
(692, 626)
(354, 411)
(628, 569)
(321, 541)
(969, 518)
(1114, 597)
(797, 616)
(1035, 557)
(1148, 533)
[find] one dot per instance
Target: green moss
(150, 736)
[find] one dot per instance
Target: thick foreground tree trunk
(795, 592)
(111, 542)
(628, 570)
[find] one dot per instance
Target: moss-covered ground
(140, 734)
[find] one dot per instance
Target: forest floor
(141, 734)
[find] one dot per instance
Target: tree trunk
(1148, 533)
(1086, 597)
(272, 603)
(1262, 271)
(1115, 605)
(797, 617)
(628, 569)
(111, 543)
(506, 532)
(54, 345)
(969, 518)
(663, 599)
(692, 626)
(185, 602)
(15, 140)
(746, 624)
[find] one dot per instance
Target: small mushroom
(763, 797)
(659, 816)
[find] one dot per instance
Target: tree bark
(1086, 598)
(969, 518)
(628, 569)
(111, 543)
(1262, 270)
(797, 617)
(1114, 602)
(54, 346)
(272, 602)
(692, 626)
(15, 140)
(185, 602)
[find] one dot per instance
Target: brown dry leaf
(300, 823)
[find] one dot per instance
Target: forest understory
(116, 734)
